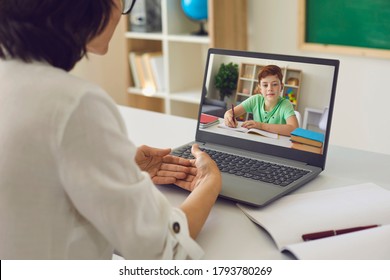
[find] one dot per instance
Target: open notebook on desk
(242, 129)
(292, 216)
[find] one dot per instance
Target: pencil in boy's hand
(233, 117)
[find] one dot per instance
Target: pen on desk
(328, 233)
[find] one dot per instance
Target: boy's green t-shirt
(279, 114)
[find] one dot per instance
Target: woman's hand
(205, 187)
(162, 167)
(206, 172)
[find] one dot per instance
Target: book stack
(307, 140)
(207, 120)
(147, 69)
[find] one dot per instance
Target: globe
(196, 10)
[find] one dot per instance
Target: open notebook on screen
(258, 168)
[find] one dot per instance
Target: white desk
(228, 233)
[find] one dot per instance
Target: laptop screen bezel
(313, 159)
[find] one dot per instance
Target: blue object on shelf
(196, 10)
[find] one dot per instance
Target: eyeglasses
(127, 6)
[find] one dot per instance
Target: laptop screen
(306, 90)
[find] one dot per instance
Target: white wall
(362, 111)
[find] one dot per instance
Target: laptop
(309, 84)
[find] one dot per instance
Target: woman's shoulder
(44, 77)
(59, 84)
(49, 88)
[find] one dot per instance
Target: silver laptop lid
(309, 84)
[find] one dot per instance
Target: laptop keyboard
(276, 174)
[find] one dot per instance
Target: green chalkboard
(356, 23)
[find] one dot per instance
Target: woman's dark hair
(55, 31)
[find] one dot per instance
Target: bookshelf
(247, 84)
(184, 55)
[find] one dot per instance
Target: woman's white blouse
(69, 185)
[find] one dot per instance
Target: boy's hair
(55, 31)
(270, 70)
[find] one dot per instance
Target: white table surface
(228, 233)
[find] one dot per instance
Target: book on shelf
(149, 72)
(134, 71)
(140, 69)
(260, 132)
(308, 137)
(144, 70)
(207, 120)
(157, 68)
(344, 209)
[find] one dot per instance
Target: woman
(270, 111)
(71, 184)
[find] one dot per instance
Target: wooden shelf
(144, 35)
(185, 54)
(190, 96)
